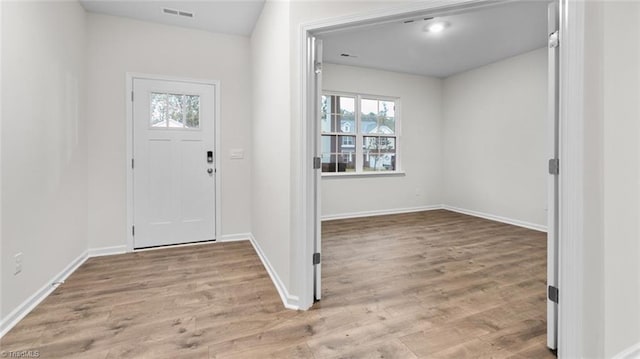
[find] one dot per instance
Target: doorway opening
(349, 152)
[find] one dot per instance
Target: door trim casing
(571, 107)
(129, 78)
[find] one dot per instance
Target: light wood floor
(431, 284)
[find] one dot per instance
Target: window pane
(192, 111)
(370, 144)
(329, 144)
(346, 144)
(325, 124)
(347, 123)
(375, 131)
(388, 108)
(369, 112)
(158, 109)
(328, 162)
(174, 113)
(379, 162)
(175, 110)
(386, 125)
(386, 120)
(335, 120)
(347, 105)
(387, 144)
(346, 162)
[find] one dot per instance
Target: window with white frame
(359, 133)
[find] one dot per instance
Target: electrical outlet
(18, 260)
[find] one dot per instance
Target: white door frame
(130, 77)
(571, 156)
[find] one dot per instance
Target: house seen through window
(358, 134)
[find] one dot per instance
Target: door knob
(209, 170)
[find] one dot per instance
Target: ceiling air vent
(177, 12)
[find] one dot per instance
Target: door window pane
(174, 111)
(174, 106)
(158, 110)
(192, 111)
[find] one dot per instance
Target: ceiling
(473, 38)
(223, 16)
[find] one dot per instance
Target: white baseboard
(234, 237)
(289, 301)
(382, 212)
(107, 251)
(633, 352)
(28, 305)
(493, 217)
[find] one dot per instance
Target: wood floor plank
(433, 284)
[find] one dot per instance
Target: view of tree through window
(175, 110)
(358, 133)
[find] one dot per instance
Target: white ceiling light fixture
(436, 27)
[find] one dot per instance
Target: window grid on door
(174, 111)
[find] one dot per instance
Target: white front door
(174, 169)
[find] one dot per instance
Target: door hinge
(132, 163)
(317, 67)
(553, 294)
(554, 40)
(316, 163)
(554, 166)
(133, 230)
(316, 258)
(131, 96)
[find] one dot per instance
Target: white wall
(44, 144)
(271, 171)
(420, 144)
(304, 12)
(494, 138)
(611, 309)
(593, 206)
(118, 45)
(276, 198)
(621, 175)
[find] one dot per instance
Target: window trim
(359, 172)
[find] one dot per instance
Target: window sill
(363, 174)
